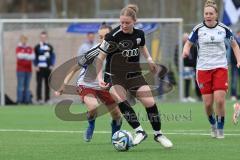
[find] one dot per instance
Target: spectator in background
(88, 44)
(25, 56)
(235, 72)
(44, 62)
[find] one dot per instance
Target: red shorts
(212, 80)
(103, 95)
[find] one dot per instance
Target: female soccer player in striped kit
(122, 48)
(89, 90)
(212, 72)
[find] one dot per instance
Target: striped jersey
(44, 55)
(211, 46)
(88, 73)
(25, 56)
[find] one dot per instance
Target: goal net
(162, 37)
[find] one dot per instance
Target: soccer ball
(122, 140)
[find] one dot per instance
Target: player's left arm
(236, 51)
(99, 65)
(234, 45)
(152, 65)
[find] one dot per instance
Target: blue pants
(23, 84)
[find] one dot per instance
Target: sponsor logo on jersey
(130, 52)
(212, 38)
(138, 41)
(125, 44)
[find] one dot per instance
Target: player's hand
(60, 91)
(185, 54)
(153, 67)
(103, 84)
(238, 64)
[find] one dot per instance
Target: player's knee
(220, 102)
(115, 114)
(92, 113)
(119, 97)
(147, 101)
(208, 104)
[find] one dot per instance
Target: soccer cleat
(165, 142)
(233, 98)
(220, 134)
(213, 131)
(190, 99)
(139, 137)
(236, 112)
(89, 132)
(40, 102)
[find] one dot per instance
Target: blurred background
(189, 10)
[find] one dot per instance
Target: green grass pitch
(35, 133)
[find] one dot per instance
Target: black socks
(129, 114)
(154, 117)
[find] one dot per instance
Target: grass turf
(34, 132)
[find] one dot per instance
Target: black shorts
(130, 82)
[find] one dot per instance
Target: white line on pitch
(107, 132)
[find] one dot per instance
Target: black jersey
(126, 46)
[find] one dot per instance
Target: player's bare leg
(208, 105)
(219, 98)
(144, 95)
(91, 103)
(116, 118)
(119, 95)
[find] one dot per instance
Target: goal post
(161, 42)
(2, 88)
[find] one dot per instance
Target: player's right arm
(186, 49)
(88, 57)
(67, 79)
(192, 38)
(99, 65)
(105, 49)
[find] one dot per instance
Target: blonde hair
(130, 10)
(211, 3)
(23, 37)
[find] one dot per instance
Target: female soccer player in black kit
(122, 48)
